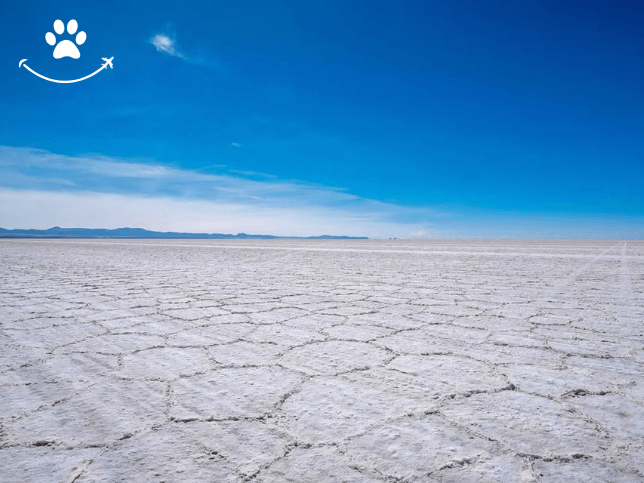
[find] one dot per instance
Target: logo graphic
(67, 48)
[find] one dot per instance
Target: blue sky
(381, 119)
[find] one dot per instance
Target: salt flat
(321, 361)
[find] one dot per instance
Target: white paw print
(66, 48)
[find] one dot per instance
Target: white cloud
(40, 189)
(44, 209)
(168, 45)
(165, 44)
(235, 145)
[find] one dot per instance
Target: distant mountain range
(57, 232)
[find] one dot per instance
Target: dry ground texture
(321, 361)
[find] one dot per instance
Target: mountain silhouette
(58, 232)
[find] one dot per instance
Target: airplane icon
(108, 62)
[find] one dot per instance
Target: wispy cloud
(253, 174)
(40, 189)
(167, 45)
(109, 192)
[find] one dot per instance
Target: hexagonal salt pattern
(321, 361)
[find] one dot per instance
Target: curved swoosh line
(63, 81)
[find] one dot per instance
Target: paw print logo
(66, 48)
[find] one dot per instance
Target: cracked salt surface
(321, 361)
